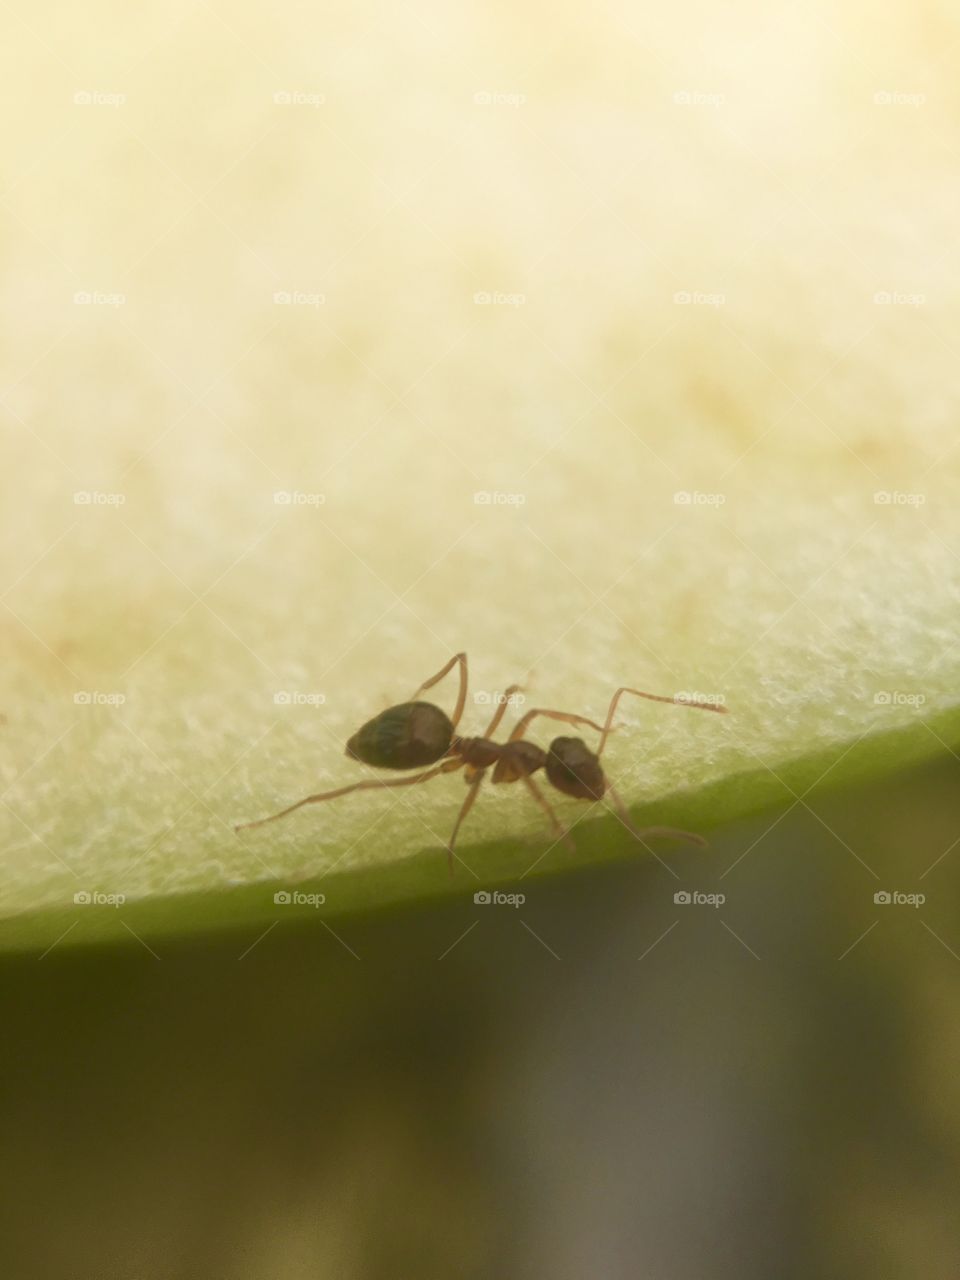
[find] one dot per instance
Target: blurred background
(610, 345)
(599, 1082)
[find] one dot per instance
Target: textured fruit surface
(635, 367)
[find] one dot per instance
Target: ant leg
(460, 658)
(566, 716)
(670, 833)
(464, 810)
(545, 805)
(478, 778)
(652, 697)
(501, 710)
(368, 785)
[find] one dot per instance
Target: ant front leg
(641, 833)
(460, 658)
(566, 716)
(669, 833)
(651, 697)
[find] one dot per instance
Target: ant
(414, 734)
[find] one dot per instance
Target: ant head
(407, 736)
(575, 770)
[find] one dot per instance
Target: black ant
(414, 734)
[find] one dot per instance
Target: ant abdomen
(575, 770)
(407, 736)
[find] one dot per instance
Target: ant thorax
(518, 759)
(479, 753)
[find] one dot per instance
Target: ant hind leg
(371, 784)
(460, 658)
(501, 709)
